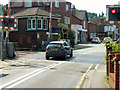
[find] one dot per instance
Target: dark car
(58, 49)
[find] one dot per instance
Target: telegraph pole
(50, 20)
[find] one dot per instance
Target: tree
(102, 14)
(70, 34)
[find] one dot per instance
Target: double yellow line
(83, 77)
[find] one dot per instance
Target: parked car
(58, 49)
(107, 39)
(96, 40)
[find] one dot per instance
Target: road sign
(113, 14)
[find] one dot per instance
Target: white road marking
(85, 53)
(96, 66)
(28, 76)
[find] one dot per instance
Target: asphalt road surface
(34, 71)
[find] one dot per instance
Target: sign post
(0, 43)
(113, 15)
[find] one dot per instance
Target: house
(81, 26)
(99, 28)
(92, 30)
(77, 27)
(62, 9)
(59, 9)
(32, 28)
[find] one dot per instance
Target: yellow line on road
(83, 77)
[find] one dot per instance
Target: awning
(83, 30)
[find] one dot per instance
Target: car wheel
(71, 54)
(47, 58)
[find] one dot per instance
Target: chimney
(73, 9)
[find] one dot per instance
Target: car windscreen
(55, 45)
(95, 38)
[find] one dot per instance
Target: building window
(67, 7)
(66, 20)
(57, 4)
(29, 24)
(28, 4)
(33, 24)
(39, 23)
(45, 24)
(84, 24)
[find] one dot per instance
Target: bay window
(45, 24)
(29, 24)
(39, 23)
(33, 24)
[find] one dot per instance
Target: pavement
(95, 78)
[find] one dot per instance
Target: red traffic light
(113, 11)
(10, 20)
(1, 19)
(5, 23)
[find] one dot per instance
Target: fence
(114, 69)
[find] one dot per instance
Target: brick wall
(62, 10)
(114, 77)
(75, 20)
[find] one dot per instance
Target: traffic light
(7, 22)
(114, 14)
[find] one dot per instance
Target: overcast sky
(96, 6)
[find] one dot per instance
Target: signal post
(6, 22)
(113, 15)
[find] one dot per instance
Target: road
(34, 71)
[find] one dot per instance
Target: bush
(70, 34)
(113, 46)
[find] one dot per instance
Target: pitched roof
(81, 15)
(98, 21)
(33, 11)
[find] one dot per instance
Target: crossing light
(113, 11)
(1, 19)
(114, 14)
(7, 22)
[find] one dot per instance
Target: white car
(106, 39)
(96, 40)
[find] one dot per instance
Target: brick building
(33, 27)
(81, 26)
(63, 10)
(99, 32)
